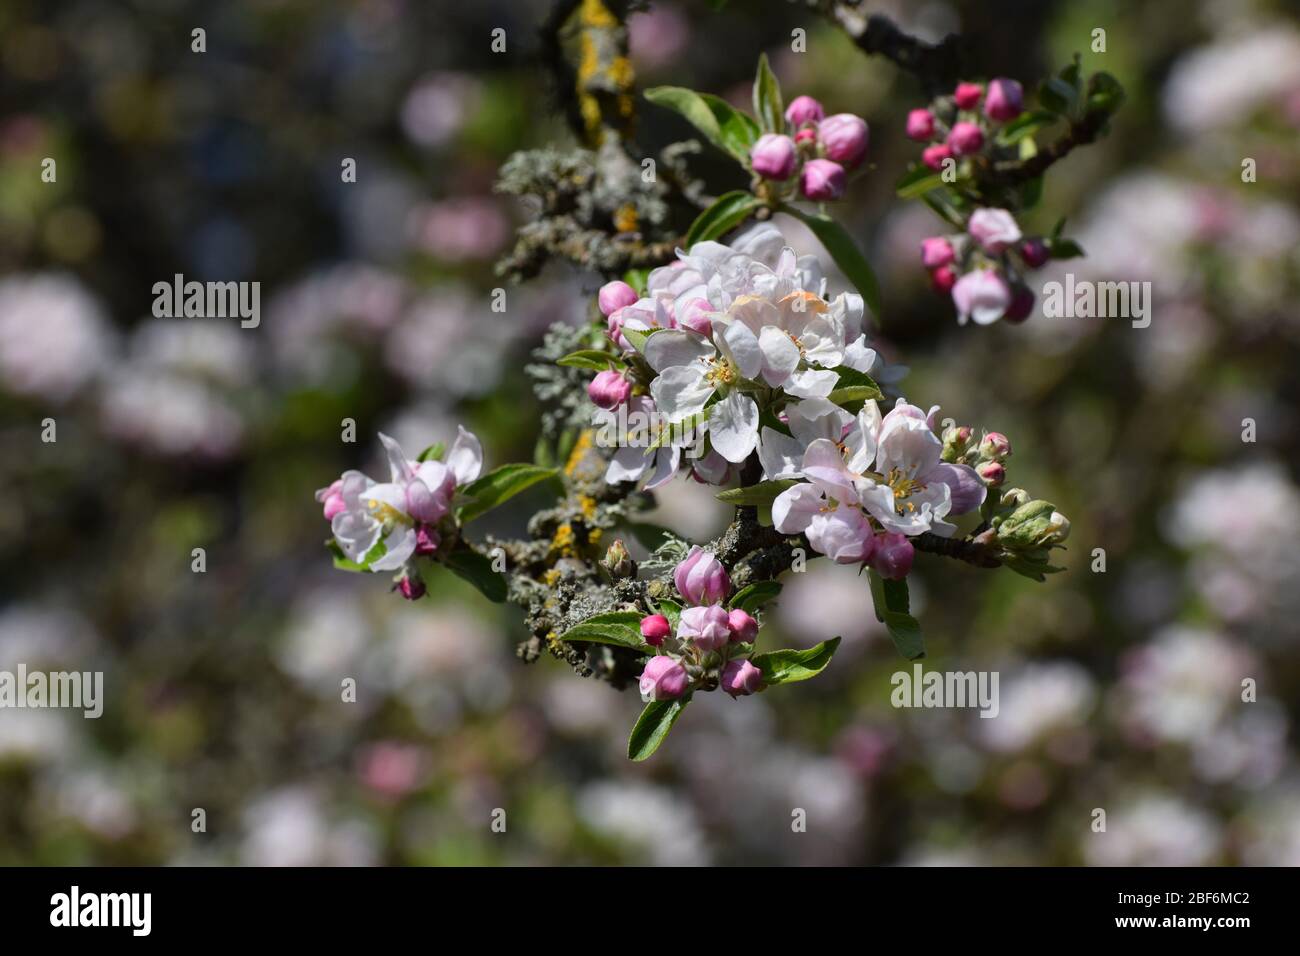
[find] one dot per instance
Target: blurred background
(1120, 689)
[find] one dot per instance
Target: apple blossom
(614, 296)
(701, 579)
(654, 628)
(741, 678)
(994, 229)
(744, 629)
(982, 295)
(663, 679)
(893, 556)
(1005, 100)
(1035, 252)
(804, 109)
(822, 180)
(773, 156)
(708, 627)
(845, 138)
(935, 252)
(934, 156)
(920, 125)
(967, 95)
(609, 389)
(995, 445)
(965, 138)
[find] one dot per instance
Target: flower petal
(466, 456)
(740, 346)
(681, 391)
(733, 427)
(794, 508)
(780, 355)
(663, 350)
(780, 455)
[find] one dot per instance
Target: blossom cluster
(705, 650)
(983, 268)
(386, 525)
(962, 124)
(722, 338)
(820, 149)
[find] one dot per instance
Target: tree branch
(937, 65)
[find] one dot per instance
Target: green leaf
(1056, 96)
(845, 253)
(433, 453)
(620, 628)
(1026, 124)
(767, 98)
(853, 388)
(594, 359)
(477, 570)
(1065, 249)
(751, 597)
(1105, 94)
(763, 493)
(652, 727)
(343, 563)
(892, 609)
(1031, 192)
(499, 486)
(729, 211)
(918, 182)
(788, 666)
(637, 339)
(671, 610)
(738, 130)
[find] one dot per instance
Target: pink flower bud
(1005, 100)
(773, 156)
(701, 578)
(1035, 253)
(935, 252)
(411, 588)
(994, 229)
(743, 627)
(695, 317)
(982, 295)
(614, 296)
(426, 541)
(943, 279)
(845, 138)
(804, 109)
(741, 678)
(609, 389)
(893, 556)
(993, 472)
(663, 679)
(933, 156)
(805, 135)
(1022, 305)
(968, 95)
(332, 499)
(965, 138)
(709, 627)
(995, 445)
(822, 180)
(654, 628)
(920, 125)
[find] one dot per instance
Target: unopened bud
(614, 296)
(741, 678)
(994, 473)
(744, 629)
(995, 445)
(654, 628)
(618, 562)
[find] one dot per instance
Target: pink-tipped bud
(709, 627)
(663, 679)
(654, 628)
(845, 138)
(1005, 100)
(822, 180)
(609, 389)
(1022, 305)
(773, 156)
(920, 125)
(614, 296)
(1035, 253)
(701, 579)
(411, 588)
(741, 678)
(426, 541)
(744, 629)
(995, 445)
(804, 109)
(982, 295)
(893, 556)
(943, 279)
(993, 473)
(965, 138)
(933, 156)
(935, 252)
(695, 317)
(331, 499)
(805, 136)
(994, 229)
(967, 95)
